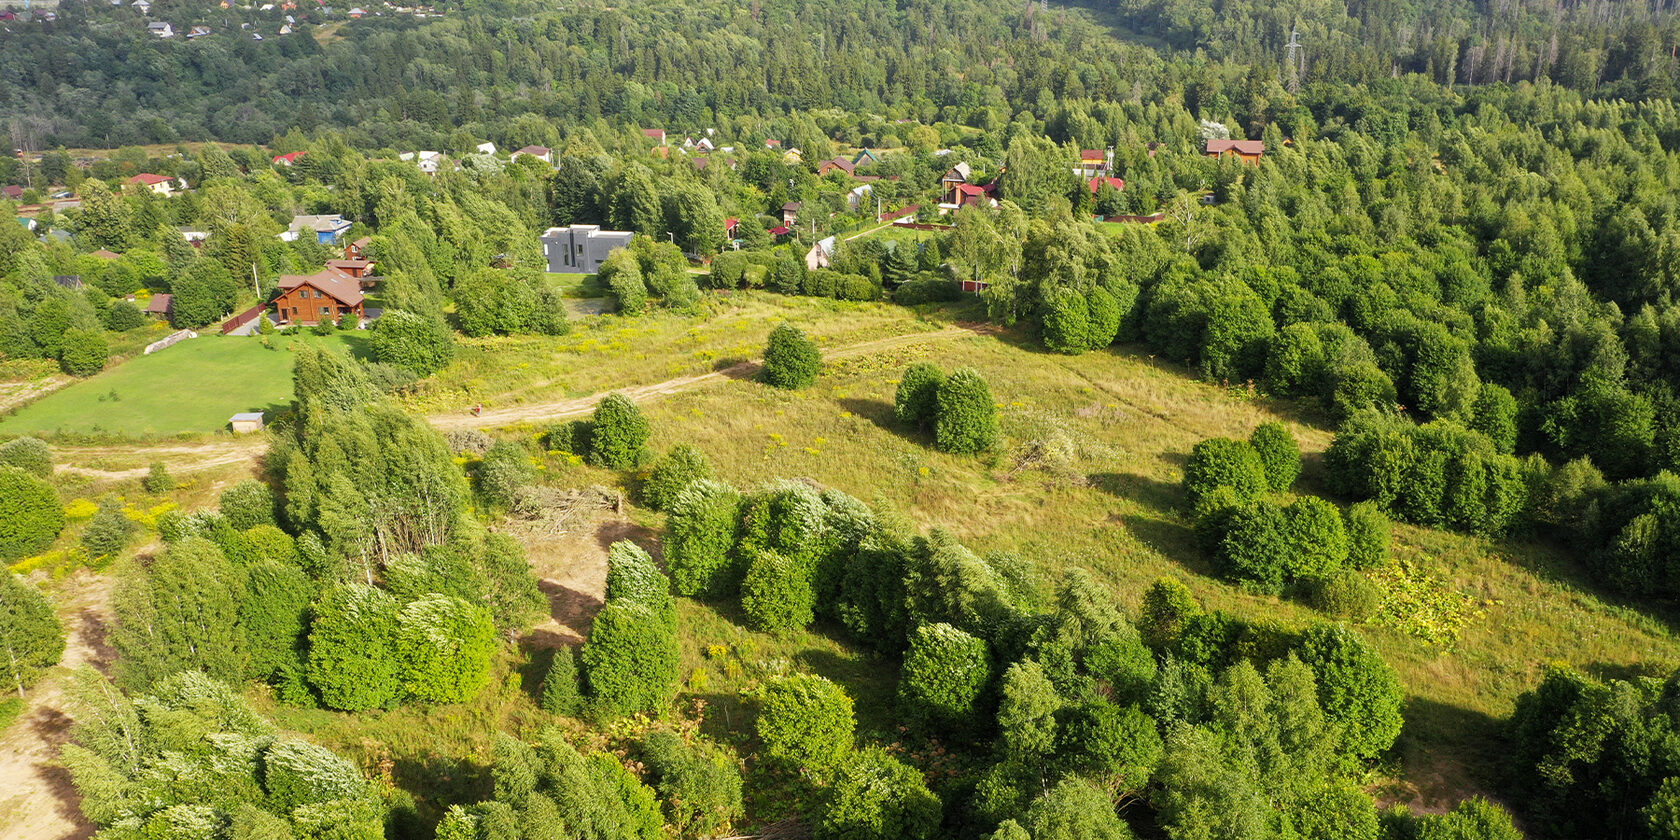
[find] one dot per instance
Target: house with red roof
(1248, 150)
(161, 184)
(542, 153)
(288, 158)
(1097, 182)
(11, 191)
(836, 165)
(327, 295)
(655, 134)
(1092, 162)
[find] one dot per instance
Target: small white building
(246, 422)
(486, 148)
(160, 29)
(821, 254)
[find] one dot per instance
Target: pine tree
(31, 636)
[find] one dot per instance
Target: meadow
(1468, 623)
(190, 388)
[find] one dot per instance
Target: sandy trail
(37, 801)
(180, 458)
(579, 406)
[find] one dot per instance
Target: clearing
(190, 388)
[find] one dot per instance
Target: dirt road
(37, 801)
(579, 406)
(179, 458)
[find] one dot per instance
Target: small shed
(246, 421)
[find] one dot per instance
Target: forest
(1444, 302)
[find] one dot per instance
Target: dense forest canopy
(94, 78)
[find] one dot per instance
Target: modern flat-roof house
(324, 296)
(327, 229)
(580, 249)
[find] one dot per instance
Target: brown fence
(1144, 219)
(242, 318)
(920, 226)
(895, 215)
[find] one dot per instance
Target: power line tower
(1296, 59)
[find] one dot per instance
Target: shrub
(83, 352)
(916, 402)
(1317, 539)
(776, 594)
(805, 722)
(248, 504)
(123, 316)
(158, 479)
(1075, 809)
(505, 470)
(728, 270)
(420, 343)
(31, 513)
(791, 360)
(1256, 546)
(928, 288)
(573, 437)
(878, 797)
(631, 660)
(30, 632)
(560, 686)
(945, 677)
(274, 614)
(1367, 535)
(1356, 688)
(618, 433)
(633, 576)
(1066, 321)
(1119, 745)
(966, 420)
(32, 455)
(622, 275)
(1166, 607)
(1222, 462)
(1344, 594)
(700, 539)
(109, 532)
(1279, 454)
(699, 783)
(1473, 819)
(673, 472)
(300, 773)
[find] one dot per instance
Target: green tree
(158, 480)
(353, 661)
(1368, 535)
(877, 797)
(621, 273)
(422, 344)
(966, 418)
(560, 695)
(202, 292)
(699, 783)
(505, 470)
(618, 433)
(31, 511)
(445, 646)
(673, 473)
(248, 504)
(109, 531)
(1222, 462)
(916, 402)
(1027, 707)
(1279, 454)
(180, 613)
(83, 352)
(791, 360)
(700, 537)
(945, 678)
(1357, 689)
(631, 660)
(777, 593)
(274, 616)
(805, 722)
(31, 636)
(1075, 809)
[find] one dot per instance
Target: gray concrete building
(580, 249)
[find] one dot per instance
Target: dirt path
(37, 801)
(180, 458)
(14, 394)
(580, 406)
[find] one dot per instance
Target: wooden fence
(243, 318)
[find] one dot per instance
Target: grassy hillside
(192, 387)
(1468, 623)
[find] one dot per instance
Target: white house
(856, 197)
(161, 184)
(160, 29)
(542, 153)
(486, 148)
(820, 255)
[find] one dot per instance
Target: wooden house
(324, 296)
(1248, 150)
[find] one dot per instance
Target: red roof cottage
(324, 296)
(1249, 150)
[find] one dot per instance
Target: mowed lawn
(192, 387)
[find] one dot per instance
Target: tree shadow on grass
(438, 781)
(570, 607)
(1163, 496)
(870, 681)
(1449, 752)
(880, 412)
